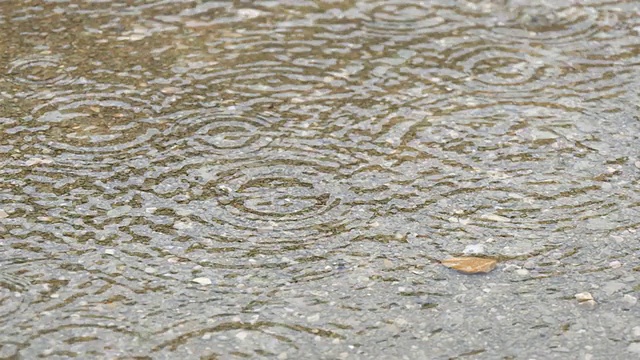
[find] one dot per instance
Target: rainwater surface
(281, 179)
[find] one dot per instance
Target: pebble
(249, 13)
(636, 331)
(584, 296)
(630, 299)
(169, 90)
(3, 214)
(522, 272)
(109, 251)
(150, 270)
(634, 348)
(473, 249)
(182, 225)
(529, 265)
(202, 281)
(37, 161)
(615, 264)
(494, 217)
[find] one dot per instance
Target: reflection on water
(313, 160)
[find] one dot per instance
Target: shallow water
(314, 160)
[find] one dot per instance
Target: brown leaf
(470, 265)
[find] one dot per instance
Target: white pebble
(249, 13)
(522, 272)
(202, 281)
(109, 251)
(37, 161)
(630, 299)
(584, 296)
(496, 218)
(473, 249)
(634, 348)
(615, 264)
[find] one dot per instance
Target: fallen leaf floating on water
(470, 265)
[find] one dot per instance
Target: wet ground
(279, 179)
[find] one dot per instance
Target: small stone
(636, 331)
(496, 218)
(150, 270)
(313, 318)
(202, 281)
(584, 296)
(634, 348)
(242, 335)
(3, 214)
(529, 265)
(637, 164)
(283, 356)
(630, 299)
(182, 225)
(615, 264)
(522, 272)
(473, 249)
(169, 90)
(37, 161)
(109, 251)
(249, 13)
(206, 336)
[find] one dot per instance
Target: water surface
(308, 163)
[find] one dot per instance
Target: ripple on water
(552, 24)
(506, 168)
(277, 195)
(14, 291)
(42, 70)
(96, 123)
(217, 132)
(500, 69)
(87, 339)
(401, 18)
